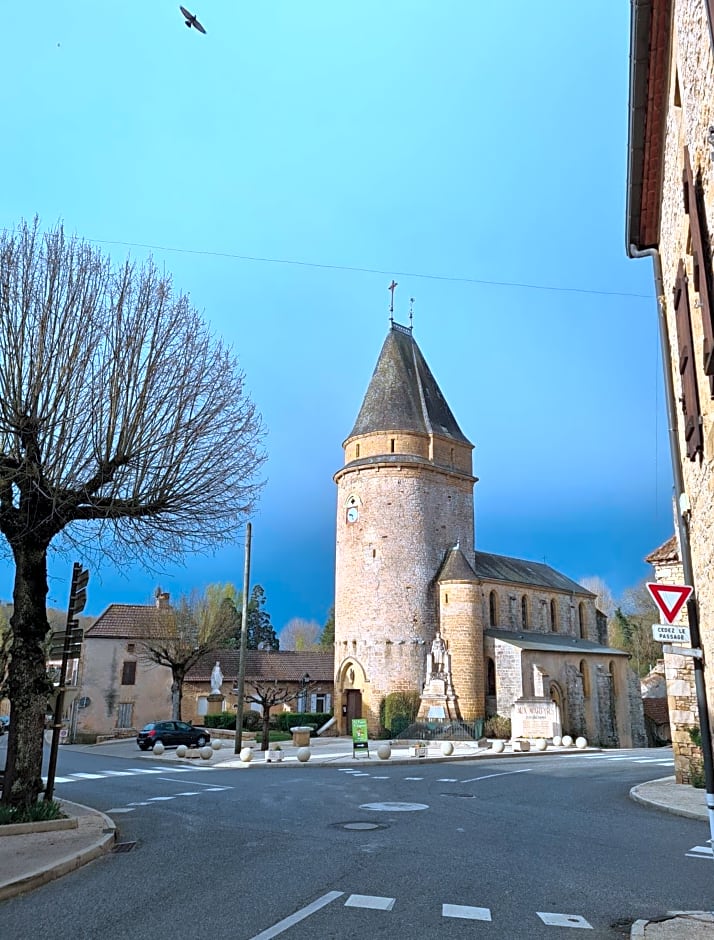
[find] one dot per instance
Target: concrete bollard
(206, 752)
(384, 751)
(541, 744)
(181, 750)
(498, 747)
(557, 741)
(447, 748)
(303, 755)
(217, 744)
(159, 748)
(567, 741)
(581, 742)
(246, 755)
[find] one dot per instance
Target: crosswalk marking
(413, 778)
(145, 770)
(564, 920)
(465, 911)
(370, 901)
(157, 799)
(700, 851)
(87, 776)
(447, 780)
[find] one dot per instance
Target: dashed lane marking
(121, 809)
(447, 780)
(157, 799)
(413, 778)
(465, 911)
(564, 920)
(371, 902)
(295, 918)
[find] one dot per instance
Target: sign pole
(240, 685)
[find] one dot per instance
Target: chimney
(162, 600)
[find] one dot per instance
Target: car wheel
(143, 747)
(201, 741)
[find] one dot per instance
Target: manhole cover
(123, 847)
(394, 807)
(463, 796)
(361, 825)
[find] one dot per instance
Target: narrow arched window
(490, 677)
(581, 620)
(553, 617)
(524, 610)
(492, 609)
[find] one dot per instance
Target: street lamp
(304, 682)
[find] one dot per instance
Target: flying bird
(191, 20)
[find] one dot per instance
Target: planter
(273, 757)
(418, 750)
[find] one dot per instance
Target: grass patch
(39, 812)
(273, 736)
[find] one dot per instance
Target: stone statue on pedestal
(216, 679)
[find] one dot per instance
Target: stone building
(417, 609)
(670, 214)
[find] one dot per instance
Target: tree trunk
(28, 686)
(176, 695)
(266, 728)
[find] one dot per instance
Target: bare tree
(604, 600)
(301, 635)
(268, 695)
(181, 635)
(125, 433)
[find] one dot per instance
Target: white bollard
(217, 744)
(303, 755)
(557, 741)
(567, 741)
(158, 748)
(181, 750)
(498, 747)
(384, 751)
(246, 755)
(541, 744)
(581, 743)
(206, 752)
(447, 748)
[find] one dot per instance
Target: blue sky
(474, 151)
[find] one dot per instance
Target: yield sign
(670, 598)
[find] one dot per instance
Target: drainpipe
(682, 526)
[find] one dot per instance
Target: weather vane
(411, 313)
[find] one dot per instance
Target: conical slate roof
(403, 394)
(456, 567)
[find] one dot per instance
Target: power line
(345, 267)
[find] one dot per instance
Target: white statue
(216, 679)
(438, 653)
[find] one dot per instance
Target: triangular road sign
(670, 598)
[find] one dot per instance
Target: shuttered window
(690, 397)
(128, 672)
(701, 254)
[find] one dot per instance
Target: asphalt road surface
(503, 849)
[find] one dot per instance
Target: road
(502, 849)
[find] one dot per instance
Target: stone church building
(417, 608)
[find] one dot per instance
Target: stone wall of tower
(409, 515)
(462, 629)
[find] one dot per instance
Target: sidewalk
(31, 859)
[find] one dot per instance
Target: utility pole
(240, 685)
(71, 648)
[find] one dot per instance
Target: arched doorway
(350, 686)
(556, 696)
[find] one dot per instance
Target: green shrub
(287, 720)
(38, 812)
(400, 710)
(225, 720)
(497, 726)
(696, 736)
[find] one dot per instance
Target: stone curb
(47, 825)
(637, 931)
(637, 796)
(43, 874)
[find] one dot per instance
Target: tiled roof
(403, 395)
(266, 665)
(666, 553)
(656, 709)
(129, 621)
(490, 567)
(456, 567)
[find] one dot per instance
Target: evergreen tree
(261, 634)
(327, 638)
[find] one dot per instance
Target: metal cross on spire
(391, 288)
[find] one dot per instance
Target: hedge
(399, 710)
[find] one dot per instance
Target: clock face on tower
(352, 514)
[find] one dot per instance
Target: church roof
(551, 642)
(403, 394)
(490, 567)
(456, 567)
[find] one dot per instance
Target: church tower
(404, 499)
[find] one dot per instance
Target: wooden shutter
(694, 207)
(128, 672)
(687, 370)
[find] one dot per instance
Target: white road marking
(650, 760)
(465, 911)
(359, 773)
(295, 918)
(87, 776)
(447, 780)
(117, 773)
(216, 789)
(700, 851)
(144, 770)
(123, 809)
(394, 807)
(137, 804)
(506, 773)
(564, 920)
(63, 780)
(190, 793)
(156, 799)
(371, 902)
(413, 778)
(381, 778)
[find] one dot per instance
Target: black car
(171, 734)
